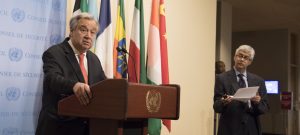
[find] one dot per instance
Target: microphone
(120, 49)
(123, 50)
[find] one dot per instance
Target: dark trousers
(50, 126)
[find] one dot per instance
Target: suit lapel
(90, 66)
(73, 61)
(234, 82)
(251, 80)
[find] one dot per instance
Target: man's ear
(249, 62)
(70, 34)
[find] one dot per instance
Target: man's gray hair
(75, 19)
(247, 48)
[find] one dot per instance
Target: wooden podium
(116, 101)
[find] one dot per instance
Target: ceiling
(248, 15)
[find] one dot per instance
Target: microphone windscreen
(119, 49)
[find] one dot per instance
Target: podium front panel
(152, 101)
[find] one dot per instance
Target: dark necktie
(241, 82)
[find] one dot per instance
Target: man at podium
(69, 68)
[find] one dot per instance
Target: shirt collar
(74, 49)
(237, 72)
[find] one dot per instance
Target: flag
(154, 61)
(119, 58)
(76, 8)
(84, 6)
(93, 10)
(157, 58)
(80, 6)
(164, 52)
(104, 45)
(136, 64)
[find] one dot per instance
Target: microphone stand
(123, 50)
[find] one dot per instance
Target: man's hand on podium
(82, 92)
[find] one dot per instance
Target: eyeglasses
(244, 57)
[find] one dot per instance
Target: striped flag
(76, 8)
(164, 52)
(154, 61)
(84, 6)
(93, 10)
(80, 6)
(157, 57)
(104, 45)
(119, 58)
(136, 64)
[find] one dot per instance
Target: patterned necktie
(241, 82)
(83, 71)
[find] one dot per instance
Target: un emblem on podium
(153, 101)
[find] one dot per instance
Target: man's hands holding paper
(227, 99)
(256, 99)
(244, 95)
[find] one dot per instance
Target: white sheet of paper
(244, 94)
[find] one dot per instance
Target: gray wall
(223, 36)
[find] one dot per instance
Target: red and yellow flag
(164, 51)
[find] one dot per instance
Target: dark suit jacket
(236, 117)
(61, 73)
